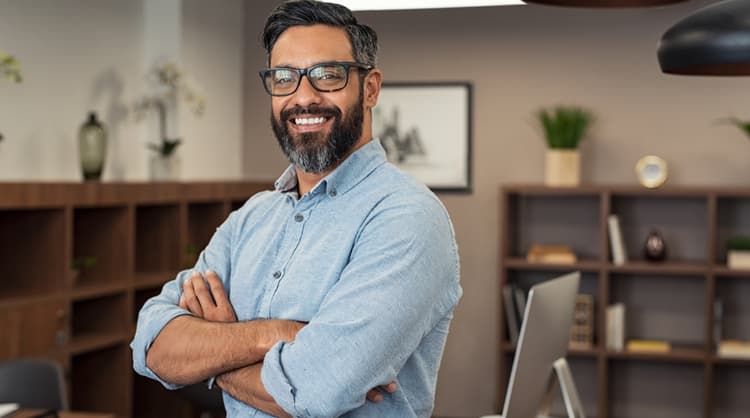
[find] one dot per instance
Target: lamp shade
(715, 40)
(604, 3)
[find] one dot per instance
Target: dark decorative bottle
(655, 249)
(92, 142)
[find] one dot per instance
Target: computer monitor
(543, 341)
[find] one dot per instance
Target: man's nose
(306, 94)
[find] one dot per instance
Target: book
(551, 254)
(616, 327)
(511, 318)
(718, 317)
(582, 330)
(649, 346)
(734, 349)
(738, 259)
(617, 246)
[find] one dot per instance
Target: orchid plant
(173, 86)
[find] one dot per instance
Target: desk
(28, 413)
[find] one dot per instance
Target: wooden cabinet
(671, 300)
(81, 259)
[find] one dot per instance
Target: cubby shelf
(84, 259)
(670, 300)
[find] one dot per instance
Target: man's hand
(374, 395)
(210, 304)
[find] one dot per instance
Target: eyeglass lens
(324, 77)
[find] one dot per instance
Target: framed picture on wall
(425, 129)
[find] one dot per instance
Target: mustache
(329, 112)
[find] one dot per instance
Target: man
(331, 295)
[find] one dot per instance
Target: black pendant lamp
(715, 40)
(604, 3)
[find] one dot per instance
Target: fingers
(390, 388)
(201, 291)
(374, 395)
(190, 298)
(217, 288)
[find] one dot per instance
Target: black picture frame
(426, 129)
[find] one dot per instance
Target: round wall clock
(651, 171)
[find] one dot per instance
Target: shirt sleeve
(161, 309)
(402, 278)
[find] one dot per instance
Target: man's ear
(372, 87)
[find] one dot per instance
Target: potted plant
(9, 70)
(738, 252)
(172, 86)
(564, 128)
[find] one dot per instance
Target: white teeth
(309, 121)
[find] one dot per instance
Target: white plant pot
(165, 168)
(738, 259)
(562, 168)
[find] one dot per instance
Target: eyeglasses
(326, 77)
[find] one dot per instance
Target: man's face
(316, 129)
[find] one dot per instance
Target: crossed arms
(212, 343)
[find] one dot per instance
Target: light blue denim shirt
(368, 258)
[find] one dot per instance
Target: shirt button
(276, 274)
(299, 218)
(332, 193)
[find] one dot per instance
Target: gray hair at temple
(363, 39)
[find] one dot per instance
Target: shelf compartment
(682, 222)
(585, 377)
(732, 218)
(157, 238)
(101, 237)
(99, 317)
(654, 389)
(654, 310)
(97, 390)
(35, 243)
(730, 398)
(734, 295)
(34, 328)
(203, 219)
(153, 280)
(554, 220)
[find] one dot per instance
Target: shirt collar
(350, 172)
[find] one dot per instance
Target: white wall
(81, 55)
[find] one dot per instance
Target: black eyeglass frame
(348, 65)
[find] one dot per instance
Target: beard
(314, 152)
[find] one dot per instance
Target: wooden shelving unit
(139, 236)
(671, 300)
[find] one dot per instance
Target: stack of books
(734, 349)
(649, 346)
(551, 254)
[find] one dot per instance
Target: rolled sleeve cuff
(146, 335)
(275, 381)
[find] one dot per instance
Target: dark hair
(363, 39)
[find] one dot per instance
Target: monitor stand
(567, 388)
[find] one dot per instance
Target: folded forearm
(246, 386)
(189, 349)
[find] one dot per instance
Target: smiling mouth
(308, 121)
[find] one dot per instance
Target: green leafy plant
(172, 85)
(739, 243)
(10, 69)
(83, 262)
(564, 126)
(743, 125)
